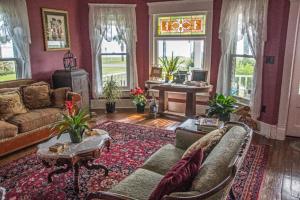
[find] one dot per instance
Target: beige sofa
(213, 181)
(28, 128)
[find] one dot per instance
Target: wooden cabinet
(77, 80)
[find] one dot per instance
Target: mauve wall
(278, 14)
(142, 53)
(44, 63)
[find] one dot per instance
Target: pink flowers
(69, 105)
(136, 91)
(138, 96)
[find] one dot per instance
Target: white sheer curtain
(254, 16)
(16, 25)
(101, 19)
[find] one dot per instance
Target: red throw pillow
(180, 176)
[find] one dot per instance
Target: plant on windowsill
(139, 99)
(111, 93)
(75, 123)
(221, 106)
(170, 66)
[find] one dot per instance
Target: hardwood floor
(282, 177)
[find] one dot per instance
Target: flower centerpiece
(139, 99)
(74, 123)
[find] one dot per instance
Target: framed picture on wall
(56, 29)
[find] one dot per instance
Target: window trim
(181, 8)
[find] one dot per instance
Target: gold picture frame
(56, 29)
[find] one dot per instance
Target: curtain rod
(112, 5)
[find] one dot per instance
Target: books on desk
(209, 124)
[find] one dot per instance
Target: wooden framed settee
(33, 126)
(214, 179)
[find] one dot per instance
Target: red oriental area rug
(26, 178)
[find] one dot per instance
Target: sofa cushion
(207, 142)
(7, 130)
(168, 155)
(58, 97)
(36, 118)
(138, 185)
(11, 104)
(36, 95)
(215, 168)
(180, 176)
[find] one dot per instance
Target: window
(182, 35)
(8, 64)
(242, 67)
(114, 60)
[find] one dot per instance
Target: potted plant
(75, 123)
(139, 99)
(221, 106)
(170, 66)
(111, 93)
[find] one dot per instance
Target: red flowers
(69, 105)
(136, 91)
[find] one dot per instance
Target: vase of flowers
(139, 99)
(74, 123)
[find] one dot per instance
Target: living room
(149, 99)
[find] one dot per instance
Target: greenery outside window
(242, 69)
(114, 60)
(8, 62)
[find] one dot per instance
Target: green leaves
(221, 106)
(170, 66)
(71, 124)
(111, 91)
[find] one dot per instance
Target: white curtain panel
(254, 28)
(101, 19)
(15, 17)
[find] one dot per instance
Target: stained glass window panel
(190, 25)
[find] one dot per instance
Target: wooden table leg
(190, 109)
(76, 177)
(90, 165)
(161, 107)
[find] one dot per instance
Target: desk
(190, 91)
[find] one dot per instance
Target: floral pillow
(11, 104)
(207, 142)
(36, 95)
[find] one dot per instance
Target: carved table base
(86, 160)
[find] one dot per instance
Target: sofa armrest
(108, 196)
(184, 139)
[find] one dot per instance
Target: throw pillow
(58, 97)
(207, 142)
(36, 95)
(179, 177)
(11, 104)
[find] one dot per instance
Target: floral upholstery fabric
(168, 155)
(11, 104)
(215, 167)
(207, 142)
(36, 95)
(7, 130)
(58, 97)
(138, 185)
(36, 118)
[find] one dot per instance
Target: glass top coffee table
(74, 155)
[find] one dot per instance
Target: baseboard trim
(272, 131)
